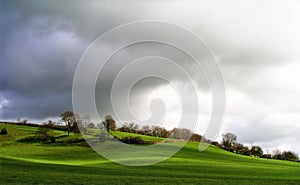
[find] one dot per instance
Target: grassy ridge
(38, 163)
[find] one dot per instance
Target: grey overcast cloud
(257, 44)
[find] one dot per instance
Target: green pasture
(64, 162)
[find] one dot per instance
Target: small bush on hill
(44, 134)
(215, 143)
(52, 139)
(4, 131)
(267, 156)
(134, 140)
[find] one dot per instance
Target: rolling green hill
(25, 162)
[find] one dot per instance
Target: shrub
(198, 138)
(43, 134)
(52, 139)
(4, 131)
(267, 156)
(215, 143)
(134, 140)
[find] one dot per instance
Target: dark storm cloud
(41, 45)
(39, 107)
(38, 60)
(256, 43)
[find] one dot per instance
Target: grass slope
(38, 163)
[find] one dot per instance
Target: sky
(256, 43)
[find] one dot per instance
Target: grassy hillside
(59, 163)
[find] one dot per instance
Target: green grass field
(61, 163)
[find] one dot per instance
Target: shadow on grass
(62, 140)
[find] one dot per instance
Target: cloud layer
(257, 45)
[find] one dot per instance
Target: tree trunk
(69, 125)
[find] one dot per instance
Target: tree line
(229, 143)
(75, 123)
(229, 140)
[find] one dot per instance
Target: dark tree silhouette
(147, 130)
(3, 131)
(109, 124)
(277, 154)
(69, 118)
(198, 138)
(288, 155)
(228, 141)
(256, 151)
(160, 132)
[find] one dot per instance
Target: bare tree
(69, 118)
(85, 121)
(277, 154)
(146, 129)
(133, 127)
(91, 125)
(109, 124)
(124, 128)
(181, 133)
(228, 140)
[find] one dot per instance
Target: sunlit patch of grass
(143, 137)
